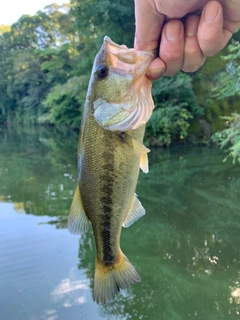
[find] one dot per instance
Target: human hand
(185, 32)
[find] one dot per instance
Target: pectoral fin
(142, 151)
(144, 163)
(78, 222)
(136, 212)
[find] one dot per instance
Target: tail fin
(109, 280)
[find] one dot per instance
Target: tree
(65, 102)
(175, 106)
(227, 85)
(95, 19)
(37, 53)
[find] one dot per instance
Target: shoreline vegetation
(46, 61)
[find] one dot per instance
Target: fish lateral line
(110, 152)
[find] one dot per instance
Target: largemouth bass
(110, 152)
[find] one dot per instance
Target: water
(186, 248)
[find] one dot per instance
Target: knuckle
(192, 65)
(192, 51)
(190, 68)
(172, 56)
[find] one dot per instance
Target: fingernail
(192, 32)
(191, 26)
(173, 30)
(211, 11)
(154, 74)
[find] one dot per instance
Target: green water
(186, 248)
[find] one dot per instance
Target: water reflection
(186, 248)
(70, 292)
(37, 170)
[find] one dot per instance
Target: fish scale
(108, 185)
(110, 152)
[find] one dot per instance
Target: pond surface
(186, 248)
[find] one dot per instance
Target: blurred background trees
(46, 61)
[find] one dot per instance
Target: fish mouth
(127, 61)
(127, 55)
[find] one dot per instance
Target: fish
(110, 152)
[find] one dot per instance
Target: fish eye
(102, 71)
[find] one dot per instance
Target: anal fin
(78, 222)
(135, 213)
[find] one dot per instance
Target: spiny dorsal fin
(142, 151)
(135, 213)
(77, 220)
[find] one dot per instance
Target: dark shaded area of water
(186, 248)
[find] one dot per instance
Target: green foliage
(27, 83)
(230, 136)
(64, 103)
(95, 19)
(175, 106)
(37, 53)
(4, 29)
(205, 81)
(228, 85)
(168, 123)
(227, 82)
(42, 58)
(46, 59)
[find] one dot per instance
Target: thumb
(149, 23)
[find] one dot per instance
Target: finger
(149, 24)
(231, 14)
(231, 26)
(156, 69)
(171, 46)
(231, 9)
(193, 58)
(212, 37)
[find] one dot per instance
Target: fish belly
(108, 175)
